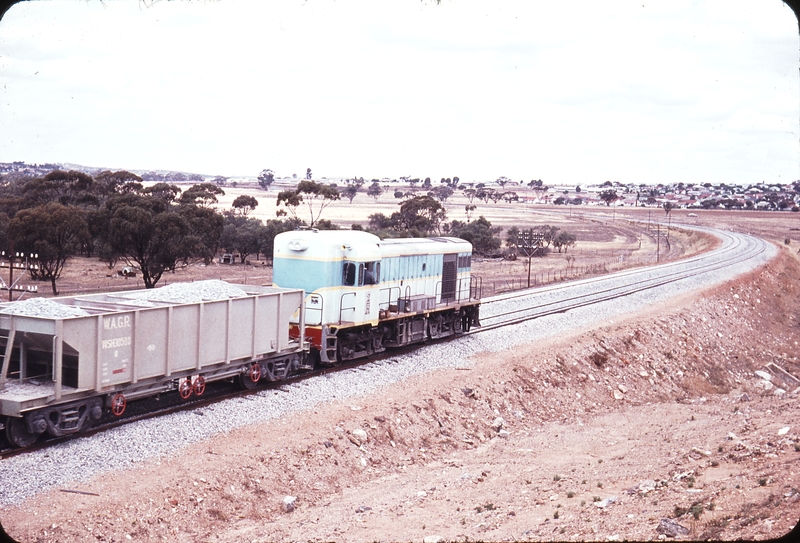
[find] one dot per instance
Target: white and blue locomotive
(364, 294)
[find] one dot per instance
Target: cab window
(349, 274)
(368, 273)
(372, 273)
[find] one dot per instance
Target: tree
(421, 215)
(668, 206)
(204, 231)
(375, 191)
(510, 196)
(143, 232)
(469, 209)
(308, 173)
(564, 239)
(547, 232)
(244, 204)
(486, 194)
(243, 235)
(379, 221)
(66, 188)
(220, 181)
(203, 194)
(168, 193)
(350, 192)
(54, 233)
(441, 193)
(512, 237)
(480, 233)
(266, 178)
(609, 196)
(316, 196)
(119, 182)
(502, 181)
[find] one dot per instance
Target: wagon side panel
(242, 318)
(187, 335)
(150, 350)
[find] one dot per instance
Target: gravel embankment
(25, 475)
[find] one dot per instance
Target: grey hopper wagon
(68, 361)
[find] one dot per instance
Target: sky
(567, 91)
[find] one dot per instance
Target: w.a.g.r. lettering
(113, 323)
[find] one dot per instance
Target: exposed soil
(603, 434)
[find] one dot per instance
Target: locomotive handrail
(320, 309)
(388, 303)
(342, 308)
(475, 287)
(457, 293)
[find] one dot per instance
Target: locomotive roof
(437, 245)
(359, 245)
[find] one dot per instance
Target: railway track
(529, 304)
(540, 302)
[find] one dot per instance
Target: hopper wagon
(68, 362)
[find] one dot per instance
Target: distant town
(758, 196)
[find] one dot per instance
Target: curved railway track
(540, 302)
(529, 304)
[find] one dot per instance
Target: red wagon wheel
(199, 385)
(118, 404)
(255, 372)
(185, 388)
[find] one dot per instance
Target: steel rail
(712, 261)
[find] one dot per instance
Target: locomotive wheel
(118, 405)
(185, 388)
(17, 433)
(199, 385)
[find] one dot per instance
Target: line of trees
(114, 218)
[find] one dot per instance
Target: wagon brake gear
(199, 385)
(255, 372)
(185, 388)
(118, 404)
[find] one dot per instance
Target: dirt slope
(608, 434)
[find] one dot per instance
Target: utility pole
(658, 242)
(529, 242)
(11, 286)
